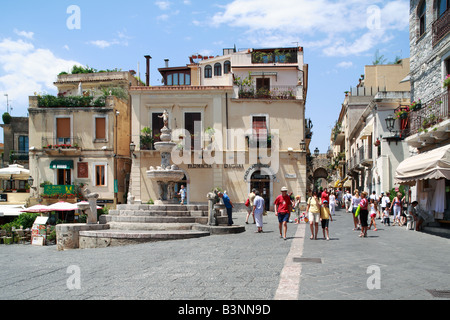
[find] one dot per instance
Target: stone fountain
(167, 174)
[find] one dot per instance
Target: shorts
(314, 217)
(325, 223)
(283, 217)
(373, 215)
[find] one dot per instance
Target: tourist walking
(182, 194)
(297, 208)
(373, 214)
(397, 206)
(386, 218)
(251, 198)
(348, 201)
(313, 210)
(283, 208)
(228, 206)
(332, 203)
(355, 202)
(258, 211)
(324, 195)
(364, 214)
(325, 217)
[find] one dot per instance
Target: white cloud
(345, 64)
(25, 69)
(337, 27)
(163, 5)
(122, 40)
(28, 35)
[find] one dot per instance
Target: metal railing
(54, 143)
(441, 27)
(274, 93)
(362, 157)
(428, 114)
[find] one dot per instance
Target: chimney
(166, 62)
(147, 74)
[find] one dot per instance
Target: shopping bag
(358, 209)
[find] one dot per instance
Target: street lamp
(30, 181)
(316, 152)
(132, 148)
(303, 146)
(390, 123)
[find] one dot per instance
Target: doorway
(261, 183)
(64, 177)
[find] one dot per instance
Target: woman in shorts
(313, 209)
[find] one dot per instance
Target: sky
(39, 39)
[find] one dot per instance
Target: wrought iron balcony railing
(429, 114)
(441, 27)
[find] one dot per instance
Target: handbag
(247, 203)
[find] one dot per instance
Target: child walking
(325, 217)
(373, 214)
(386, 219)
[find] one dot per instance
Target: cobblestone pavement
(391, 263)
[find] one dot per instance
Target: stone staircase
(138, 223)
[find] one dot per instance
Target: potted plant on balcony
(402, 113)
(377, 142)
(447, 82)
(416, 105)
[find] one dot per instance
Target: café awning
(433, 164)
(61, 164)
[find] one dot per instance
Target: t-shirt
(183, 193)
(325, 213)
(364, 203)
(384, 201)
(314, 205)
(283, 203)
(258, 203)
(226, 201)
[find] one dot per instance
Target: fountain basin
(165, 175)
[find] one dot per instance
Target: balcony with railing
(273, 93)
(424, 117)
(361, 158)
(61, 145)
(441, 27)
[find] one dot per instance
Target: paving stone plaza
(391, 263)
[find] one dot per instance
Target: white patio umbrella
(37, 208)
(14, 172)
(63, 206)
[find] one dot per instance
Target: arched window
(217, 69)
(442, 6)
(422, 17)
(226, 67)
(208, 72)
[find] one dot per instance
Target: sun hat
(284, 189)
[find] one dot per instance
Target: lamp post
(390, 123)
(132, 148)
(316, 152)
(303, 146)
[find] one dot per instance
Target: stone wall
(427, 67)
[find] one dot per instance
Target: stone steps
(106, 238)
(137, 223)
